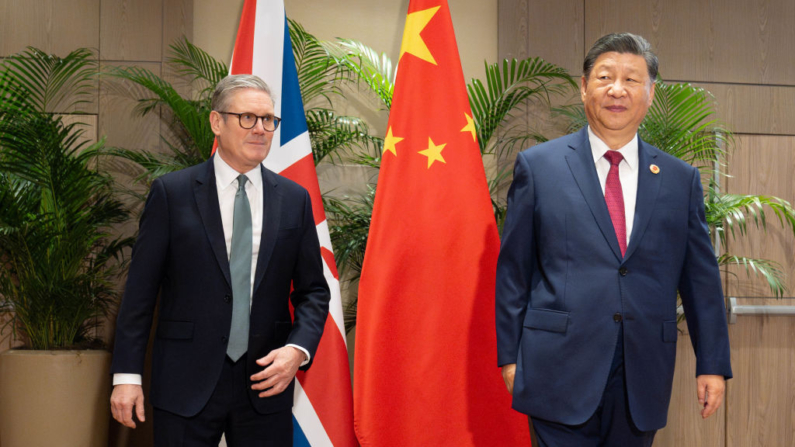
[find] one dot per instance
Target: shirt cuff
(306, 353)
(126, 379)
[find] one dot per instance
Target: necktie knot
(241, 183)
(614, 157)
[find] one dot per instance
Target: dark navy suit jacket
(180, 253)
(563, 287)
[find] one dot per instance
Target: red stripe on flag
(244, 44)
(335, 406)
(303, 172)
(328, 256)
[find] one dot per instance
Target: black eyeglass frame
(276, 120)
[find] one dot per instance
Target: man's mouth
(616, 108)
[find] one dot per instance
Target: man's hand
(282, 364)
(508, 373)
(124, 400)
(710, 393)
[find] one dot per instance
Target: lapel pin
(654, 169)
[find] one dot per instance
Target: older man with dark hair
(222, 244)
(602, 232)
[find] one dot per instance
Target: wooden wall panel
(131, 30)
(715, 41)
(761, 396)
(54, 26)
(754, 109)
(177, 22)
(763, 165)
(685, 425)
(513, 29)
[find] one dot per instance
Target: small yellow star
(434, 152)
(412, 41)
(390, 142)
(470, 127)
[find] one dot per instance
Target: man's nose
(617, 89)
(259, 126)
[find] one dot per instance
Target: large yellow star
(390, 142)
(470, 127)
(434, 152)
(412, 41)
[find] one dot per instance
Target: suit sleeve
(310, 296)
(702, 294)
(143, 284)
(515, 264)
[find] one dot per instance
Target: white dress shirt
(226, 182)
(627, 173)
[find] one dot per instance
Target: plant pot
(50, 398)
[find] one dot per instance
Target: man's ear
(583, 87)
(215, 122)
(651, 93)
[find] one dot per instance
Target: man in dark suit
(222, 243)
(602, 230)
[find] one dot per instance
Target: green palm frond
(728, 213)
(769, 270)
(509, 87)
(191, 61)
(366, 66)
(679, 123)
(317, 68)
(52, 84)
(331, 133)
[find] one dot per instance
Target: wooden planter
(54, 398)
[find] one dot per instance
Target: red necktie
(614, 197)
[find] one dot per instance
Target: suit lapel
(648, 188)
(583, 169)
(271, 216)
(206, 194)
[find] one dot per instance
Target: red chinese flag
(425, 371)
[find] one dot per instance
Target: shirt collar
(225, 175)
(628, 151)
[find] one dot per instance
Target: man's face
(243, 149)
(616, 95)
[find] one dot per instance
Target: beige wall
(376, 23)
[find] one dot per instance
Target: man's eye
(249, 116)
(267, 118)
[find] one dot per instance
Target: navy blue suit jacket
(562, 284)
(180, 253)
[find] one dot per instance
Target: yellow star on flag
(434, 152)
(390, 142)
(470, 127)
(412, 41)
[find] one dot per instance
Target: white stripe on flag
(307, 418)
(281, 158)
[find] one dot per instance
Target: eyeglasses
(248, 120)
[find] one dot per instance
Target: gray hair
(622, 43)
(222, 95)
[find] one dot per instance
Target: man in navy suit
(222, 243)
(602, 231)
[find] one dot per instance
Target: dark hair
(622, 43)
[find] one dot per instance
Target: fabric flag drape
(425, 370)
(323, 409)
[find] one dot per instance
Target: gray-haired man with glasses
(222, 244)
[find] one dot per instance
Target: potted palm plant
(58, 255)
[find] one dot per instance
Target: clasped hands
(280, 368)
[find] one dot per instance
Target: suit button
(623, 271)
(617, 317)
(224, 339)
(227, 298)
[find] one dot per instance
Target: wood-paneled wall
(742, 52)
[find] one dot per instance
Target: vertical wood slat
(53, 26)
(761, 410)
(762, 165)
(717, 41)
(685, 425)
(131, 30)
(118, 122)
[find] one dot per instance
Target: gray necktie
(240, 268)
